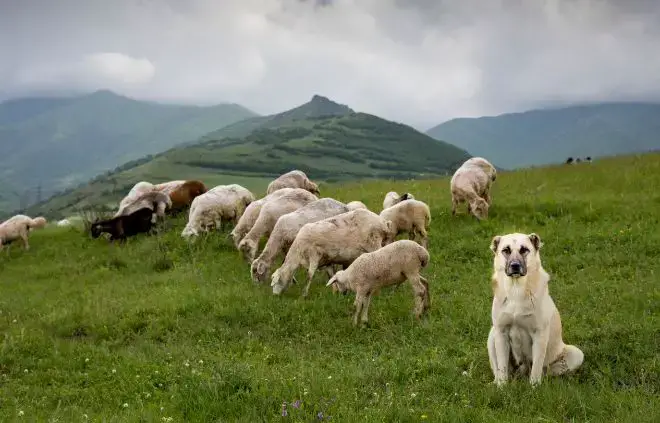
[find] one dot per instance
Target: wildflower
(162, 408)
(320, 415)
(186, 364)
(156, 372)
(85, 416)
(296, 404)
(329, 377)
(125, 405)
(424, 417)
(465, 373)
(114, 371)
(13, 321)
(284, 412)
(87, 360)
(413, 395)
(201, 361)
(21, 413)
(25, 371)
(168, 419)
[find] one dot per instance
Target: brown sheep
(183, 195)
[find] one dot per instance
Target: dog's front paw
(535, 381)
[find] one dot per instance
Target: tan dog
(526, 329)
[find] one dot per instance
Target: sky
(420, 62)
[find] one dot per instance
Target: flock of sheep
(355, 246)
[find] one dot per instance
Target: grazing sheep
(19, 226)
(123, 226)
(251, 213)
(578, 160)
(272, 210)
(169, 187)
(293, 179)
(156, 201)
(336, 240)
(390, 265)
(221, 203)
(183, 195)
(286, 229)
(471, 183)
(138, 189)
(392, 198)
(409, 216)
(588, 159)
(64, 222)
(569, 160)
(354, 205)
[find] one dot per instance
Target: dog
(526, 334)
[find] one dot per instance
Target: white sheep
(354, 205)
(251, 214)
(63, 222)
(409, 216)
(19, 226)
(286, 229)
(223, 203)
(168, 187)
(471, 183)
(138, 189)
(272, 210)
(293, 179)
(336, 240)
(156, 201)
(392, 198)
(390, 265)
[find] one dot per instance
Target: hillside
(161, 330)
(326, 147)
(540, 137)
(54, 143)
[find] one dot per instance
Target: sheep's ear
(332, 280)
(495, 243)
(536, 241)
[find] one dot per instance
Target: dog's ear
(495, 243)
(536, 241)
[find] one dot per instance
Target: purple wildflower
(296, 404)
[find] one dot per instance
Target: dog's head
(516, 254)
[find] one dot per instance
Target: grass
(159, 330)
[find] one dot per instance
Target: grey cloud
(416, 61)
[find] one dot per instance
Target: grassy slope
(161, 329)
(74, 139)
(538, 137)
(356, 146)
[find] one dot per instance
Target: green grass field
(159, 330)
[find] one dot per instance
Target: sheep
(63, 222)
(251, 213)
(221, 203)
(286, 229)
(138, 189)
(125, 225)
(390, 265)
(293, 179)
(392, 198)
(471, 183)
(19, 226)
(169, 187)
(354, 205)
(157, 201)
(336, 240)
(411, 216)
(183, 195)
(272, 210)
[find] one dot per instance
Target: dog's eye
(506, 250)
(524, 250)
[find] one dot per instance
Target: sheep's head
(314, 189)
(339, 282)
(248, 248)
(236, 237)
(96, 229)
(277, 283)
(259, 270)
(39, 222)
(479, 208)
(189, 231)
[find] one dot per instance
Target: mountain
(54, 143)
(328, 141)
(548, 136)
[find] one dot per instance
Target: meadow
(159, 330)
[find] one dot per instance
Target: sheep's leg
(419, 291)
(427, 293)
(310, 274)
(358, 304)
(454, 205)
(365, 310)
(24, 238)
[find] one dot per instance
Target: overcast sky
(416, 61)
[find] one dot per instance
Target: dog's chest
(517, 309)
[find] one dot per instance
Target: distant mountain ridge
(51, 143)
(546, 136)
(328, 141)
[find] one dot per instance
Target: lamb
(286, 229)
(392, 198)
(390, 265)
(251, 213)
(354, 205)
(272, 210)
(183, 195)
(221, 203)
(156, 201)
(336, 240)
(293, 179)
(19, 226)
(411, 216)
(123, 226)
(471, 183)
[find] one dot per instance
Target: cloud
(416, 61)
